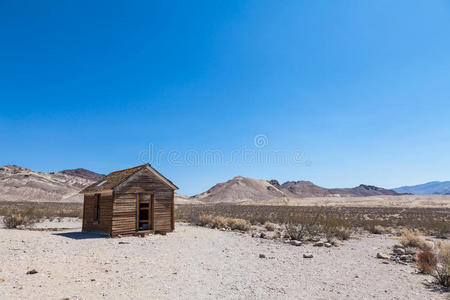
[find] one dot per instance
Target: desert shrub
(376, 229)
(442, 268)
(204, 220)
(14, 220)
(426, 262)
(343, 233)
(239, 224)
(269, 226)
(220, 222)
(414, 239)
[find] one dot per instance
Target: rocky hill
(247, 190)
(22, 184)
(240, 189)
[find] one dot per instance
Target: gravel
(200, 263)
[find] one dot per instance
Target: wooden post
(137, 211)
(172, 219)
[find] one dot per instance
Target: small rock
(222, 229)
(308, 255)
(287, 241)
(262, 235)
(399, 251)
(123, 243)
(385, 262)
(92, 279)
(328, 245)
(32, 272)
(296, 243)
(397, 246)
(406, 257)
(262, 256)
(255, 235)
(2, 280)
(318, 244)
(382, 255)
(314, 239)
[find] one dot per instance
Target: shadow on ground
(78, 235)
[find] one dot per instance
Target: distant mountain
(242, 189)
(363, 191)
(434, 187)
(22, 184)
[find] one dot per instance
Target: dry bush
(40, 210)
(239, 224)
(432, 221)
(223, 222)
(414, 239)
(376, 229)
(13, 221)
(204, 220)
(442, 268)
(426, 261)
(269, 226)
(219, 222)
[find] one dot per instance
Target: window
(96, 207)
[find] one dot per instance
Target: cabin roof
(113, 179)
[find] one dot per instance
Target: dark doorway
(145, 212)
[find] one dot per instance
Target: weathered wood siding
(105, 213)
(144, 181)
(124, 214)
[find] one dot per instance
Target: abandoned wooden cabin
(130, 201)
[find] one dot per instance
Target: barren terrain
(198, 263)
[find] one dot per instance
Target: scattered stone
(314, 239)
(296, 243)
(328, 245)
(262, 256)
(92, 279)
(262, 235)
(255, 235)
(287, 241)
(123, 243)
(308, 255)
(385, 262)
(318, 244)
(32, 272)
(382, 255)
(397, 246)
(406, 257)
(399, 251)
(222, 229)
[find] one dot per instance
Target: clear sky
(345, 92)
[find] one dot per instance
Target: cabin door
(145, 211)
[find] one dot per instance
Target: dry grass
(442, 268)
(25, 213)
(301, 222)
(269, 226)
(414, 239)
(223, 222)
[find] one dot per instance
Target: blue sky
(346, 92)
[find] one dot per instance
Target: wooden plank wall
(105, 213)
(124, 214)
(144, 181)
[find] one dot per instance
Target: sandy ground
(199, 263)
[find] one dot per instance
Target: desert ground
(198, 263)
